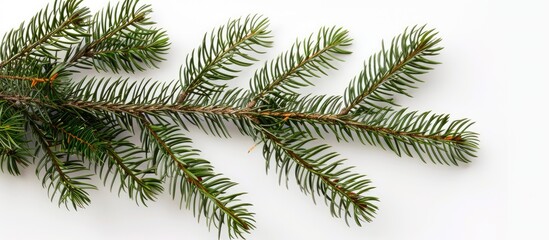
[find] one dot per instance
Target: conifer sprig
(305, 59)
(120, 38)
(393, 70)
(220, 53)
(132, 134)
(52, 30)
(317, 172)
(194, 180)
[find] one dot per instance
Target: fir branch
(48, 30)
(425, 135)
(305, 59)
(393, 70)
(71, 189)
(101, 142)
(119, 39)
(221, 51)
(92, 121)
(196, 177)
(128, 167)
(316, 173)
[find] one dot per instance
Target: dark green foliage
(427, 135)
(132, 134)
(120, 38)
(280, 77)
(51, 31)
(63, 174)
(13, 146)
(319, 172)
(220, 53)
(393, 70)
(193, 178)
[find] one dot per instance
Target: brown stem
(136, 110)
(34, 80)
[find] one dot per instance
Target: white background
(493, 72)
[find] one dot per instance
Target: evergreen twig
(84, 127)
